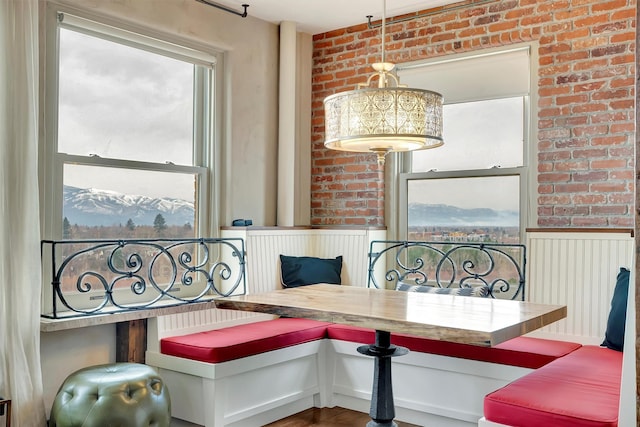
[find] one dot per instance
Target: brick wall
(585, 111)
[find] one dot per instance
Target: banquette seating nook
(228, 368)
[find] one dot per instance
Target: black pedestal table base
(382, 410)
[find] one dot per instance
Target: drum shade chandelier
(383, 118)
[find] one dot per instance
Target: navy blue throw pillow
(300, 271)
(614, 336)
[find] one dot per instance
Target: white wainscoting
(264, 246)
(577, 269)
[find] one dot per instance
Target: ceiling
(319, 16)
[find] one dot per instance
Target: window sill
(53, 325)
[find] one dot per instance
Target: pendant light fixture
(385, 117)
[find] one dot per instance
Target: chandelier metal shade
(384, 118)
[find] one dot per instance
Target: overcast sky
(499, 193)
(121, 102)
(477, 135)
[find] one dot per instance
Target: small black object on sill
(241, 222)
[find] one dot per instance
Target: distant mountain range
(92, 207)
(438, 215)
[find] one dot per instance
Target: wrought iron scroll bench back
(93, 277)
(500, 267)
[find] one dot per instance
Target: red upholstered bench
(221, 345)
(522, 351)
(580, 389)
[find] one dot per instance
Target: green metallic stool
(113, 395)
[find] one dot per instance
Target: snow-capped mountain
(449, 216)
(93, 207)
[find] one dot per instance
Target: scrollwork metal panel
(91, 277)
(500, 267)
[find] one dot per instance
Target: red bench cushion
(580, 389)
(522, 351)
(221, 345)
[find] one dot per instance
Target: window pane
(115, 203)
(477, 135)
(464, 209)
(121, 102)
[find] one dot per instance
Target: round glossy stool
(119, 394)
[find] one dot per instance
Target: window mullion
(128, 164)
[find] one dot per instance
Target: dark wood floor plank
(328, 417)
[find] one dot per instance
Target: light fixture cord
(384, 11)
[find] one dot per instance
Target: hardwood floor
(328, 417)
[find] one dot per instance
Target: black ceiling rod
(225, 8)
(433, 11)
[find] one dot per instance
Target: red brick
(607, 187)
(622, 127)
(571, 165)
(590, 176)
(571, 210)
(622, 222)
(585, 109)
(591, 21)
(572, 188)
(607, 6)
(572, 121)
(545, 211)
(554, 156)
(573, 99)
(545, 167)
(623, 59)
(622, 105)
(545, 189)
(554, 222)
(554, 177)
(607, 72)
(555, 199)
(625, 151)
(621, 198)
(626, 175)
(554, 133)
(589, 199)
(587, 87)
(590, 64)
(590, 130)
(628, 13)
(571, 14)
(610, 140)
(589, 153)
(589, 222)
(610, 94)
(608, 164)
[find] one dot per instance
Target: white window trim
(399, 171)
(206, 156)
(205, 152)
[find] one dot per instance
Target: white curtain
(20, 372)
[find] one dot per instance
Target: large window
(130, 130)
(129, 148)
(474, 188)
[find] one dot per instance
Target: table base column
(382, 409)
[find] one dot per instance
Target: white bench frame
(327, 373)
(250, 391)
(330, 373)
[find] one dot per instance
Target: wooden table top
(470, 320)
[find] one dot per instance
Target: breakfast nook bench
(581, 389)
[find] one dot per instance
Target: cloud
(121, 102)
